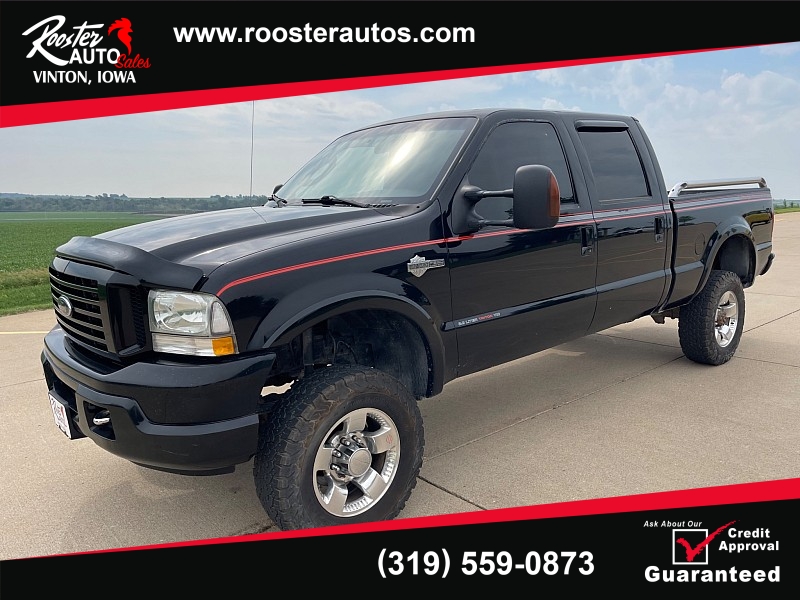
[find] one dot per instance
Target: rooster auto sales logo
(691, 547)
(83, 45)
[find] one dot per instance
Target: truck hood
(208, 240)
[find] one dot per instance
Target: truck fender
(324, 299)
(733, 226)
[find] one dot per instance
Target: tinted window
(510, 146)
(615, 164)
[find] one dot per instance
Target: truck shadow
(470, 407)
(150, 507)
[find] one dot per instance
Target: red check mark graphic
(692, 552)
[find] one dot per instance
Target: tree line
(122, 203)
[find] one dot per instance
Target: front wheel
(344, 446)
(711, 325)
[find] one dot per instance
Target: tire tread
(285, 437)
(696, 317)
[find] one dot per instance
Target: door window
(508, 147)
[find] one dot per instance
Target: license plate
(60, 415)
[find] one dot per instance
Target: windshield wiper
(329, 200)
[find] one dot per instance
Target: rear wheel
(344, 446)
(710, 326)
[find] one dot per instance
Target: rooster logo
(124, 26)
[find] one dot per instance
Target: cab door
(515, 291)
(633, 254)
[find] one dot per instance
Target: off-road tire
(298, 432)
(701, 324)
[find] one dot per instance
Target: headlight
(190, 323)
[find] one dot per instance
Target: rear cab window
(617, 170)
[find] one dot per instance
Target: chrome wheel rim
(726, 319)
(356, 462)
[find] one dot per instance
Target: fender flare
(315, 303)
(734, 226)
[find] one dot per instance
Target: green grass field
(71, 216)
(27, 242)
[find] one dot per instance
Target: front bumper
(166, 415)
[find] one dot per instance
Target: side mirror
(274, 201)
(536, 204)
(537, 199)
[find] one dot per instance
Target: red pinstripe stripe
(700, 206)
(618, 217)
(461, 238)
(325, 261)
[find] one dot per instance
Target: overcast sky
(709, 115)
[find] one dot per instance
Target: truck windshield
(396, 163)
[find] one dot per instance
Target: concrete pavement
(616, 413)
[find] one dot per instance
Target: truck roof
(482, 113)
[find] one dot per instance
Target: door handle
(659, 229)
(587, 240)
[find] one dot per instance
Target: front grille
(137, 312)
(126, 318)
(85, 322)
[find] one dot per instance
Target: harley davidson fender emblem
(418, 265)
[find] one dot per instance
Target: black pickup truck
(402, 256)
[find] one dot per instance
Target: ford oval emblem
(64, 306)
